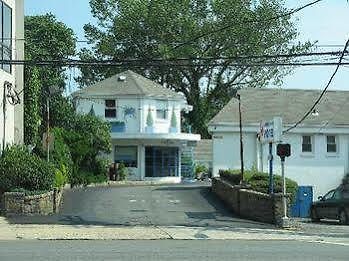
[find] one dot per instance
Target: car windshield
(329, 195)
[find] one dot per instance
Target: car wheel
(343, 218)
(314, 216)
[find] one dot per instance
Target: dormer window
(110, 109)
(161, 110)
(161, 114)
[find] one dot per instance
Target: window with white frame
(307, 145)
(331, 143)
(6, 36)
(110, 109)
(161, 110)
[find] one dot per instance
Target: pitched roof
(291, 105)
(128, 83)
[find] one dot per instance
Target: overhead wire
(324, 90)
(243, 60)
(221, 29)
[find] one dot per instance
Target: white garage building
(320, 145)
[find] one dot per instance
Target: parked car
(334, 205)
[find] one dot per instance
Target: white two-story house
(11, 76)
(145, 123)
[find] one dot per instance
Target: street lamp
(237, 96)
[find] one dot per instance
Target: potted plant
(173, 127)
(122, 172)
(150, 122)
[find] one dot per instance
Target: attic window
(122, 78)
(110, 109)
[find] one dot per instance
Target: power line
(150, 42)
(81, 63)
(247, 21)
(324, 91)
(217, 59)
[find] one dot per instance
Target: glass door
(161, 162)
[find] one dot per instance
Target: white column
(179, 162)
(259, 147)
(141, 160)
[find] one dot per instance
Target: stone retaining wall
(17, 203)
(248, 203)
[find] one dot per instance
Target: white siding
(321, 170)
(138, 123)
(4, 76)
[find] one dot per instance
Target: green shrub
(60, 179)
(61, 155)
(231, 176)
(260, 182)
(85, 178)
(20, 169)
(200, 169)
(101, 166)
(122, 171)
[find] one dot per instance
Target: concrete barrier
(248, 203)
(17, 203)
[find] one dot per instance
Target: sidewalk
(81, 232)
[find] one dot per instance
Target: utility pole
(48, 129)
(237, 96)
(241, 142)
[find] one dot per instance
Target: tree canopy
(45, 39)
(166, 29)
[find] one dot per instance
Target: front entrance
(161, 162)
(304, 199)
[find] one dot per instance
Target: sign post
(271, 176)
(271, 132)
(283, 151)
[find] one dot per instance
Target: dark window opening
(306, 144)
(161, 114)
(161, 162)
(110, 109)
(126, 155)
(331, 144)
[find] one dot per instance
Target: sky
(326, 22)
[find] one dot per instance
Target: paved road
(170, 250)
(174, 205)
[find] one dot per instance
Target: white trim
(332, 154)
(165, 180)
(299, 130)
(157, 136)
(312, 143)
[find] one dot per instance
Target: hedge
(259, 181)
(21, 170)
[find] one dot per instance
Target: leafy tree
(148, 29)
(87, 140)
(32, 119)
(46, 39)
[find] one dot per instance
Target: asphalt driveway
(170, 205)
(179, 205)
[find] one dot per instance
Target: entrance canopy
(156, 138)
